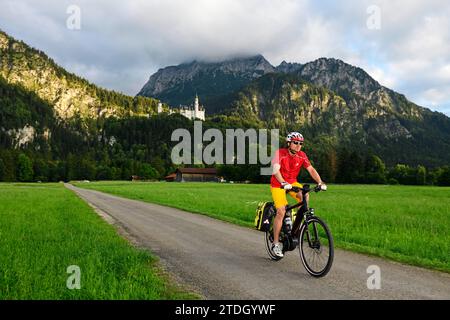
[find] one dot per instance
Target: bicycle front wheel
(316, 247)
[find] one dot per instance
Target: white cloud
(435, 95)
(444, 73)
(380, 75)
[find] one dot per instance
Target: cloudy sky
(404, 45)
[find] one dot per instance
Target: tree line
(346, 167)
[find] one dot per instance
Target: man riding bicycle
(287, 163)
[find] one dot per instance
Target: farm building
(194, 175)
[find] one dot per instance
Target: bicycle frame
(302, 217)
(303, 209)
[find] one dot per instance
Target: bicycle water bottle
(288, 222)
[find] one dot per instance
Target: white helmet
(294, 136)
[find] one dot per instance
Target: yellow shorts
(279, 195)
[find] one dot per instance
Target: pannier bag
(264, 215)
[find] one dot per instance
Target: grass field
(403, 223)
(45, 228)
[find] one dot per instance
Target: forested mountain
(323, 98)
(56, 126)
(385, 123)
(36, 145)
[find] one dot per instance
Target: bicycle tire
(326, 235)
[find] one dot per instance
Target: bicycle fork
(311, 235)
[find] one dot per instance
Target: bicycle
(308, 232)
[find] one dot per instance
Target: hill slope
(69, 94)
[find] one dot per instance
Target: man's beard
(292, 151)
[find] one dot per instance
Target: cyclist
(287, 163)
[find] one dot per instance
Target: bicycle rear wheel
(316, 247)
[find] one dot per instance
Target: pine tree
(2, 170)
(24, 168)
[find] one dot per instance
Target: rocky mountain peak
(178, 84)
(339, 76)
(288, 67)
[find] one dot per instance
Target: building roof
(198, 170)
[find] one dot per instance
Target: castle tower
(196, 108)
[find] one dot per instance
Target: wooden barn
(195, 175)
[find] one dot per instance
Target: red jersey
(290, 165)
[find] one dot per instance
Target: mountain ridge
(352, 80)
(69, 94)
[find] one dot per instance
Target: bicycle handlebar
(305, 189)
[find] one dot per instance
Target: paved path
(224, 261)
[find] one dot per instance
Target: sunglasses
(297, 142)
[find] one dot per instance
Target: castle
(193, 113)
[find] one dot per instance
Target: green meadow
(46, 228)
(409, 224)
